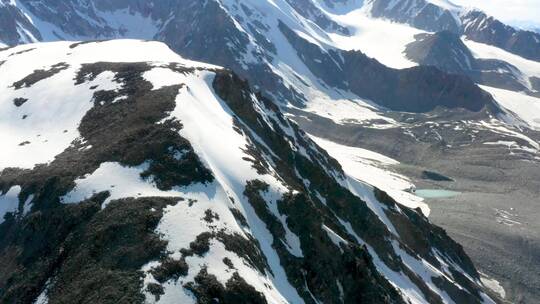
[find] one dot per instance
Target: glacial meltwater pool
(436, 193)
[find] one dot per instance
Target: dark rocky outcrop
(535, 83)
(82, 249)
(485, 29)
(444, 50)
(435, 176)
(418, 13)
(39, 75)
(447, 52)
(207, 289)
(19, 101)
(417, 89)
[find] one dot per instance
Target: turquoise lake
(436, 193)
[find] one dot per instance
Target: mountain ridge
(170, 169)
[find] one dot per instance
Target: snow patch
(120, 181)
(9, 202)
(374, 169)
(493, 285)
(525, 107)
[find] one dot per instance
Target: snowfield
(377, 38)
(484, 51)
(32, 136)
(9, 201)
(521, 105)
(373, 169)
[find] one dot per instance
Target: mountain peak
(227, 197)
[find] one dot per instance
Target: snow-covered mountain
(142, 176)
(380, 84)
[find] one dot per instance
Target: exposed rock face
(479, 27)
(139, 206)
(446, 51)
(418, 89)
(535, 82)
(12, 20)
(418, 13)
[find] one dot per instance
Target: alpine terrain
(267, 151)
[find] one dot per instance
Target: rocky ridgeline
(278, 221)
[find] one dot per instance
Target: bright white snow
(485, 51)
(9, 202)
(118, 180)
(524, 106)
(379, 39)
(374, 169)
